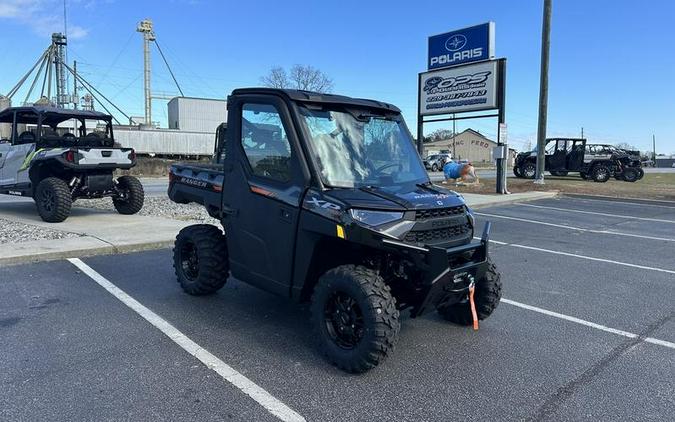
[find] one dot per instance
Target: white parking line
(248, 387)
(658, 220)
(639, 204)
(576, 228)
(573, 255)
(589, 323)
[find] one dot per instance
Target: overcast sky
(612, 62)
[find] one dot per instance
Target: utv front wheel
(486, 298)
(53, 200)
(200, 259)
(130, 197)
(601, 174)
(528, 170)
(631, 175)
(354, 317)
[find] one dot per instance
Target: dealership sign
(462, 46)
(470, 87)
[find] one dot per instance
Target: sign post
(464, 77)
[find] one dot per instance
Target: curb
(85, 252)
(511, 201)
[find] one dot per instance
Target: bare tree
(277, 78)
(303, 77)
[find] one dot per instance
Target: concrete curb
(30, 255)
(511, 199)
(643, 201)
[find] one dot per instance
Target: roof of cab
(317, 97)
(54, 113)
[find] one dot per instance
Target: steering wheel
(386, 166)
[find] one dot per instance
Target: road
(586, 330)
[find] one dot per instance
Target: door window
(265, 142)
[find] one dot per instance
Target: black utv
(596, 162)
(324, 199)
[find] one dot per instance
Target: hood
(412, 197)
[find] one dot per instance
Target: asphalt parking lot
(586, 330)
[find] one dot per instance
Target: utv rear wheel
(641, 174)
(529, 170)
(631, 175)
(600, 173)
(487, 296)
(517, 172)
(583, 175)
(434, 167)
(200, 259)
(354, 317)
(130, 196)
(53, 200)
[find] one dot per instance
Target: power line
(169, 68)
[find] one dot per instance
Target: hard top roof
(50, 114)
(316, 97)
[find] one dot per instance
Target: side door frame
(289, 195)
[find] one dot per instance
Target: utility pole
(454, 132)
(76, 98)
(654, 149)
(582, 132)
(145, 27)
(543, 91)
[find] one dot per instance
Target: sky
(611, 69)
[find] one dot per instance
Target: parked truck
(324, 199)
(57, 156)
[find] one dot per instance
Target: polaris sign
(462, 46)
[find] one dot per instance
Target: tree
(438, 135)
(626, 146)
(304, 77)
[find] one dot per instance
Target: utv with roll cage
(324, 199)
(595, 162)
(57, 156)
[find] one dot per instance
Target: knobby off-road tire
(354, 318)
(53, 200)
(487, 296)
(200, 259)
(630, 175)
(517, 172)
(600, 173)
(583, 175)
(132, 195)
(559, 173)
(529, 170)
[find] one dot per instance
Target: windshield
(355, 149)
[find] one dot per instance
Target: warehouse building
(467, 145)
(196, 114)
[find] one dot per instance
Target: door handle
(228, 210)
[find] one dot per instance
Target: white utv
(57, 155)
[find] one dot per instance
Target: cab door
(262, 191)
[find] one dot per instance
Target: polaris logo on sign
(461, 46)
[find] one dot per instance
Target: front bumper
(447, 280)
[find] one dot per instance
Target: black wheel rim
(47, 200)
(189, 261)
(602, 173)
(529, 171)
(344, 320)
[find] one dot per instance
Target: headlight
(375, 218)
(472, 217)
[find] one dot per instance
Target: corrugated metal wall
(196, 114)
(165, 141)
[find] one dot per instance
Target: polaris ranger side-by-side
(56, 156)
(323, 198)
(595, 162)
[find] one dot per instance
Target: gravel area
(156, 207)
(13, 232)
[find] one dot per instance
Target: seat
(26, 137)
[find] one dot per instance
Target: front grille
(445, 234)
(438, 212)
